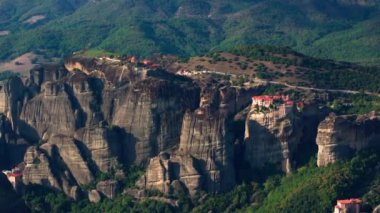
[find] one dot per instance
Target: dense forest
(340, 30)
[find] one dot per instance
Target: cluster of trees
(277, 55)
(353, 104)
(139, 29)
(308, 189)
(357, 78)
(5, 75)
(40, 199)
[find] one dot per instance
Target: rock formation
(272, 136)
(205, 145)
(94, 196)
(48, 113)
(340, 136)
(38, 169)
(151, 115)
(173, 174)
(108, 188)
(84, 121)
(11, 99)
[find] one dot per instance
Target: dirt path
(316, 89)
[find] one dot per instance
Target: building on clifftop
(274, 107)
(14, 177)
(348, 206)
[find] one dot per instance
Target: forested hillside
(342, 30)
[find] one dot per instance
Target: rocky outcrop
(38, 169)
(57, 164)
(94, 196)
(205, 145)
(46, 73)
(72, 158)
(207, 138)
(173, 174)
(108, 188)
(50, 112)
(340, 136)
(11, 99)
(151, 115)
(271, 138)
(102, 145)
(97, 114)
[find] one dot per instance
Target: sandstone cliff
(206, 144)
(272, 137)
(93, 117)
(11, 99)
(340, 136)
(84, 121)
(173, 174)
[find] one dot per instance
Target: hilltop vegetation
(342, 30)
(287, 66)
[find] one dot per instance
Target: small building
(300, 106)
(272, 108)
(14, 177)
(348, 206)
(267, 100)
(147, 62)
(154, 66)
(133, 59)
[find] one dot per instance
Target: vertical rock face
(151, 113)
(340, 136)
(205, 146)
(48, 113)
(47, 73)
(173, 174)
(57, 164)
(102, 145)
(4, 137)
(96, 115)
(11, 99)
(72, 158)
(207, 138)
(108, 188)
(271, 138)
(38, 169)
(87, 94)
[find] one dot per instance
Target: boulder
(75, 193)
(94, 196)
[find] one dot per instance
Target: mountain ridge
(341, 30)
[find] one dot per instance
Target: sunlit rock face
(339, 137)
(272, 132)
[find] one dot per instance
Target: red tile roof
(270, 97)
(15, 174)
(289, 103)
(350, 201)
(147, 62)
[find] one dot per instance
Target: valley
(268, 106)
(119, 129)
(339, 30)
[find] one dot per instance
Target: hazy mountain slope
(193, 27)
